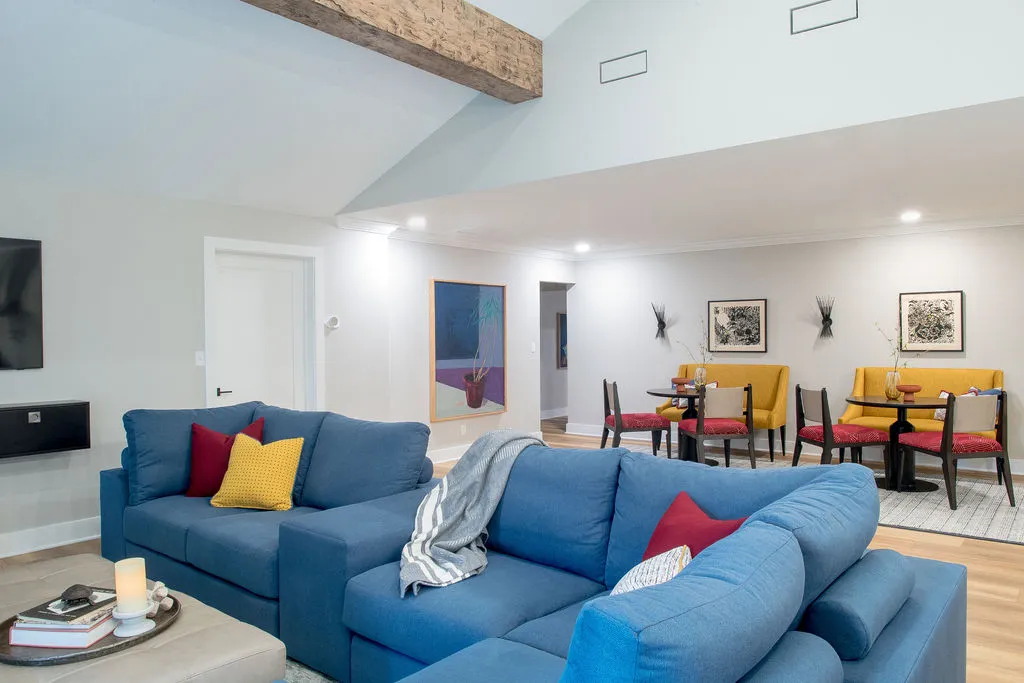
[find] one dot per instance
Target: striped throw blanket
(447, 543)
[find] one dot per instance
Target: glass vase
(700, 376)
(892, 379)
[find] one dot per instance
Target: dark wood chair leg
(1003, 465)
(950, 476)
(668, 442)
(782, 437)
(700, 449)
(656, 441)
(826, 455)
(771, 445)
(999, 471)
(857, 455)
(750, 453)
(897, 468)
(728, 451)
(797, 447)
(617, 439)
(842, 455)
(604, 437)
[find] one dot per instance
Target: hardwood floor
(995, 579)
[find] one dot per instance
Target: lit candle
(130, 584)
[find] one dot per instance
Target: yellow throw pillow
(260, 477)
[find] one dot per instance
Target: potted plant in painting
(488, 322)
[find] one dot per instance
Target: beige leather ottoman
(202, 645)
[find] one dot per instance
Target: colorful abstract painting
(467, 350)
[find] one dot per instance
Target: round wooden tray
(48, 656)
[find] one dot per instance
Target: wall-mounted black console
(44, 428)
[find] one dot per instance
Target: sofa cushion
(160, 445)
(851, 614)
(495, 661)
(647, 486)
(542, 519)
(291, 424)
(684, 523)
(551, 633)
(426, 471)
(712, 623)
(355, 460)
(242, 548)
(162, 524)
(211, 452)
(798, 658)
(833, 517)
(441, 621)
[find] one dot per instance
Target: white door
(259, 319)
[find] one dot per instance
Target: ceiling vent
(822, 14)
(626, 66)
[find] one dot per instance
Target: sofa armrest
(113, 501)
(852, 411)
(779, 409)
(318, 554)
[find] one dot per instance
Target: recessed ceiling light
(417, 222)
(582, 247)
(910, 216)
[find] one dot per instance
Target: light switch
(35, 417)
(200, 359)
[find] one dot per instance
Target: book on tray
(60, 624)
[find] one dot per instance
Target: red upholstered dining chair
(723, 414)
(619, 423)
(813, 406)
(957, 441)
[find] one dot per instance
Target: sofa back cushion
(932, 380)
(712, 623)
(647, 487)
(356, 460)
(160, 445)
(833, 517)
(557, 509)
(764, 379)
(281, 424)
(853, 611)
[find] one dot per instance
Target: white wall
(721, 73)
(612, 326)
(123, 307)
(554, 381)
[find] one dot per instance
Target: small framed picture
(932, 321)
(738, 326)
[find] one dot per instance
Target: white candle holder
(133, 623)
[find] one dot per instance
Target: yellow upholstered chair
(957, 381)
(770, 385)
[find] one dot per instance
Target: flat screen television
(21, 304)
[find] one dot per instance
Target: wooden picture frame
(932, 321)
(738, 326)
(468, 340)
(561, 336)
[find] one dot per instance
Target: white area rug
(983, 510)
(297, 673)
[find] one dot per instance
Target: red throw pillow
(684, 523)
(210, 454)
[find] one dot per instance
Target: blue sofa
(230, 558)
(791, 596)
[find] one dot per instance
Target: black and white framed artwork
(932, 321)
(738, 326)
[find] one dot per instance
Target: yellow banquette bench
(770, 384)
(871, 382)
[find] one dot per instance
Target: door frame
(313, 258)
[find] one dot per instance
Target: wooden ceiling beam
(449, 38)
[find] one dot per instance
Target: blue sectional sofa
(791, 596)
(230, 558)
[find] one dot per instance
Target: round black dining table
(687, 446)
(910, 481)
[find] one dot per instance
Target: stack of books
(57, 624)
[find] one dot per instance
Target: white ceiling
(215, 100)
(961, 168)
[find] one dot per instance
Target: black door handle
(222, 392)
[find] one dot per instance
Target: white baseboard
(51, 536)
(451, 453)
(554, 412)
